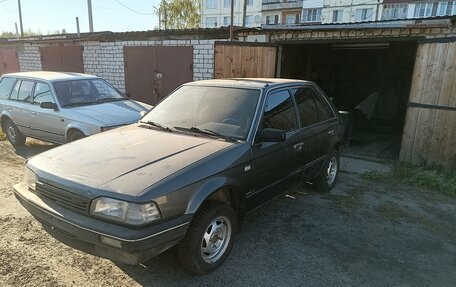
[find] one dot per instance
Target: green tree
(180, 14)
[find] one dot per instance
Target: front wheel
(209, 238)
(75, 135)
(14, 136)
(326, 180)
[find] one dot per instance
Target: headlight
(29, 178)
(126, 212)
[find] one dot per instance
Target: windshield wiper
(209, 132)
(78, 104)
(105, 100)
(160, 126)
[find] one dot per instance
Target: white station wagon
(62, 107)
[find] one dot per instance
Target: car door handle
(33, 113)
(298, 146)
(331, 132)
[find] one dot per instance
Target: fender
(4, 114)
(208, 188)
(78, 126)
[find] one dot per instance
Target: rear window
(6, 84)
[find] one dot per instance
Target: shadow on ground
(360, 234)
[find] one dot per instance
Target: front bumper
(115, 242)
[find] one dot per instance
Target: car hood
(126, 160)
(114, 113)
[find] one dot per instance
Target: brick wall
(106, 59)
(29, 58)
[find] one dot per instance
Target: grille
(62, 196)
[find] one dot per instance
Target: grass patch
(353, 200)
(395, 213)
(431, 179)
(389, 211)
(2, 136)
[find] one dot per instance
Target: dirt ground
(361, 234)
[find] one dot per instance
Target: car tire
(14, 136)
(327, 177)
(215, 223)
(75, 135)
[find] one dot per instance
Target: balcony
(280, 4)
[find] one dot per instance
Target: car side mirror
(272, 135)
(48, 105)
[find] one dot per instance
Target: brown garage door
(153, 72)
(62, 59)
(8, 61)
(249, 60)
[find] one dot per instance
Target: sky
(46, 16)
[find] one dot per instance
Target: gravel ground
(361, 234)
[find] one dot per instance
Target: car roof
(51, 76)
(258, 83)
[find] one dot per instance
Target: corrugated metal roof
(223, 32)
(212, 33)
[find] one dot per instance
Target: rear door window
(307, 109)
(25, 91)
(324, 110)
(6, 84)
(279, 112)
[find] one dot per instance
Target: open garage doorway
(371, 81)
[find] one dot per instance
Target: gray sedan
(61, 107)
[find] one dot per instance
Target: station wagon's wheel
(75, 135)
(209, 238)
(326, 180)
(14, 136)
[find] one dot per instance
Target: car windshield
(86, 92)
(214, 111)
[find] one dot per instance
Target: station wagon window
(279, 112)
(25, 91)
(42, 94)
(6, 84)
(15, 91)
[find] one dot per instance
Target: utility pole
(232, 20)
(244, 12)
(20, 17)
(77, 25)
(89, 6)
(17, 32)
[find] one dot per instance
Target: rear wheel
(75, 135)
(326, 180)
(209, 238)
(14, 136)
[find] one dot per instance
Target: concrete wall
(106, 59)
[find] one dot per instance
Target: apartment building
(283, 12)
(397, 9)
(217, 13)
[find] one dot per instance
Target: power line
(132, 10)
